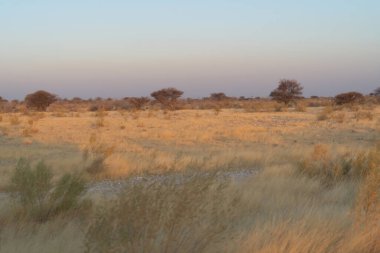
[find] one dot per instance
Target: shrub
(167, 97)
(97, 153)
(287, 91)
(348, 98)
(39, 198)
(40, 100)
(139, 103)
(14, 120)
(322, 164)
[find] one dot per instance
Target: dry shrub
(14, 120)
(363, 115)
(217, 110)
(100, 118)
(339, 117)
(300, 107)
(325, 113)
(29, 129)
(368, 200)
(96, 153)
(135, 115)
(174, 214)
(280, 108)
(322, 164)
(139, 103)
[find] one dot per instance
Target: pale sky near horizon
(115, 48)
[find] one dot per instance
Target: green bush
(38, 196)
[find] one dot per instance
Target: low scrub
(95, 155)
(321, 163)
(38, 196)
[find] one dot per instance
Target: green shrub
(38, 197)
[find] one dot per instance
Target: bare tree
(287, 91)
(167, 97)
(40, 100)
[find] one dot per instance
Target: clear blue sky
(115, 48)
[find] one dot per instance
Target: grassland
(309, 193)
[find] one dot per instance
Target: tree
(287, 91)
(40, 100)
(218, 96)
(348, 97)
(138, 103)
(167, 97)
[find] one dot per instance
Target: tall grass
(165, 216)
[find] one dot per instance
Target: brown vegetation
(349, 98)
(167, 97)
(287, 91)
(40, 100)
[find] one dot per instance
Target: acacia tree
(40, 100)
(287, 91)
(218, 96)
(167, 97)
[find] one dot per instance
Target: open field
(312, 183)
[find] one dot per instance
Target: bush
(348, 98)
(139, 103)
(96, 153)
(40, 100)
(39, 198)
(322, 164)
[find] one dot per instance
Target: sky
(115, 48)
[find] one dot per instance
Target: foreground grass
(278, 210)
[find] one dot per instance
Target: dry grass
(148, 141)
(317, 190)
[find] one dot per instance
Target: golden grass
(146, 141)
